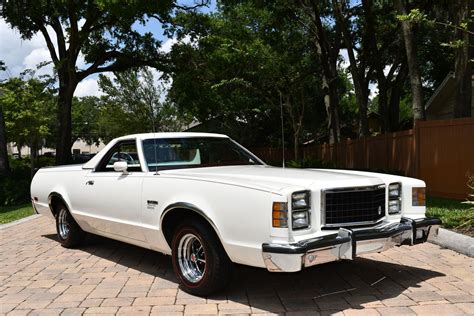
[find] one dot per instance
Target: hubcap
(191, 258)
(63, 224)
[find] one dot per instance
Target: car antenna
(282, 133)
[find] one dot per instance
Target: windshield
(193, 152)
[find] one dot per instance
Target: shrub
(15, 188)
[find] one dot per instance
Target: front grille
(353, 206)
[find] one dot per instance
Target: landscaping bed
(456, 216)
(13, 213)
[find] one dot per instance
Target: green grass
(454, 214)
(12, 213)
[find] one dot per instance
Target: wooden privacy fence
(439, 152)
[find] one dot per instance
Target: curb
(19, 221)
(454, 241)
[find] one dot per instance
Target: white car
(208, 202)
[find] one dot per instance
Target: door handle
(90, 182)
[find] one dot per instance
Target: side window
(122, 151)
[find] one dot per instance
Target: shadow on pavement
(329, 287)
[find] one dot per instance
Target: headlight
(394, 190)
(300, 200)
(300, 219)
(394, 207)
(300, 207)
(394, 198)
(418, 196)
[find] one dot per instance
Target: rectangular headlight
(418, 196)
(300, 219)
(394, 206)
(394, 190)
(300, 200)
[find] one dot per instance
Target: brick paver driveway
(38, 276)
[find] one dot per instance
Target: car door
(112, 199)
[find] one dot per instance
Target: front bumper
(347, 244)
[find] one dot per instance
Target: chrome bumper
(347, 244)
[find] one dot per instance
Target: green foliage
(28, 110)
(310, 163)
(454, 214)
(85, 120)
(15, 188)
(135, 103)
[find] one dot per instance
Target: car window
(174, 153)
(123, 151)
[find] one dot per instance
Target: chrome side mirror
(121, 166)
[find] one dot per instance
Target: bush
(311, 163)
(15, 188)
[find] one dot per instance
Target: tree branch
(49, 44)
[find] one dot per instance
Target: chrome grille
(354, 206)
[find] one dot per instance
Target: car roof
(170, 135)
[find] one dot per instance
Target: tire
(195, 242)
(70, 235)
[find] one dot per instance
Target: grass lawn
(454, 214)
(12, 213)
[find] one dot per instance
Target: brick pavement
(39, 277)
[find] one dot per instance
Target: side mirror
(121, 166)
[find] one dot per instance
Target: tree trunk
(4, 164)
(360, 85)
(462, 66)
(395, 94)
(18, 148)
(64, 134)
(378, 65)
(413, 67)
(33, 156)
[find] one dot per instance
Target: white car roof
(95, 160)
(170, 135)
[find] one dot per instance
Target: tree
(357, 68)
(4, 164)
(250, 60)
(28, 112)
(103, 31)
(413, 67)
(327, 42)
(135, 103)
(464, 50)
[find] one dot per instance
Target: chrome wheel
(191, 258)
(63, 224)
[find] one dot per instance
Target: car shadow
(329, 287)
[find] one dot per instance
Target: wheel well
(54, 201)
(177, 216)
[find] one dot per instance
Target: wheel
(70, 235)
(199, 260)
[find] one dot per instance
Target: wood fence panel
(446, 155)
(439, 152)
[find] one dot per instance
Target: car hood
(273, 178)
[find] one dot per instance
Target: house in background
(441, 104)
(79, 147)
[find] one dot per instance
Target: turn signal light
(280, 215)
(418, 196)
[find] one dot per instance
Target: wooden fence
(439, 152)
